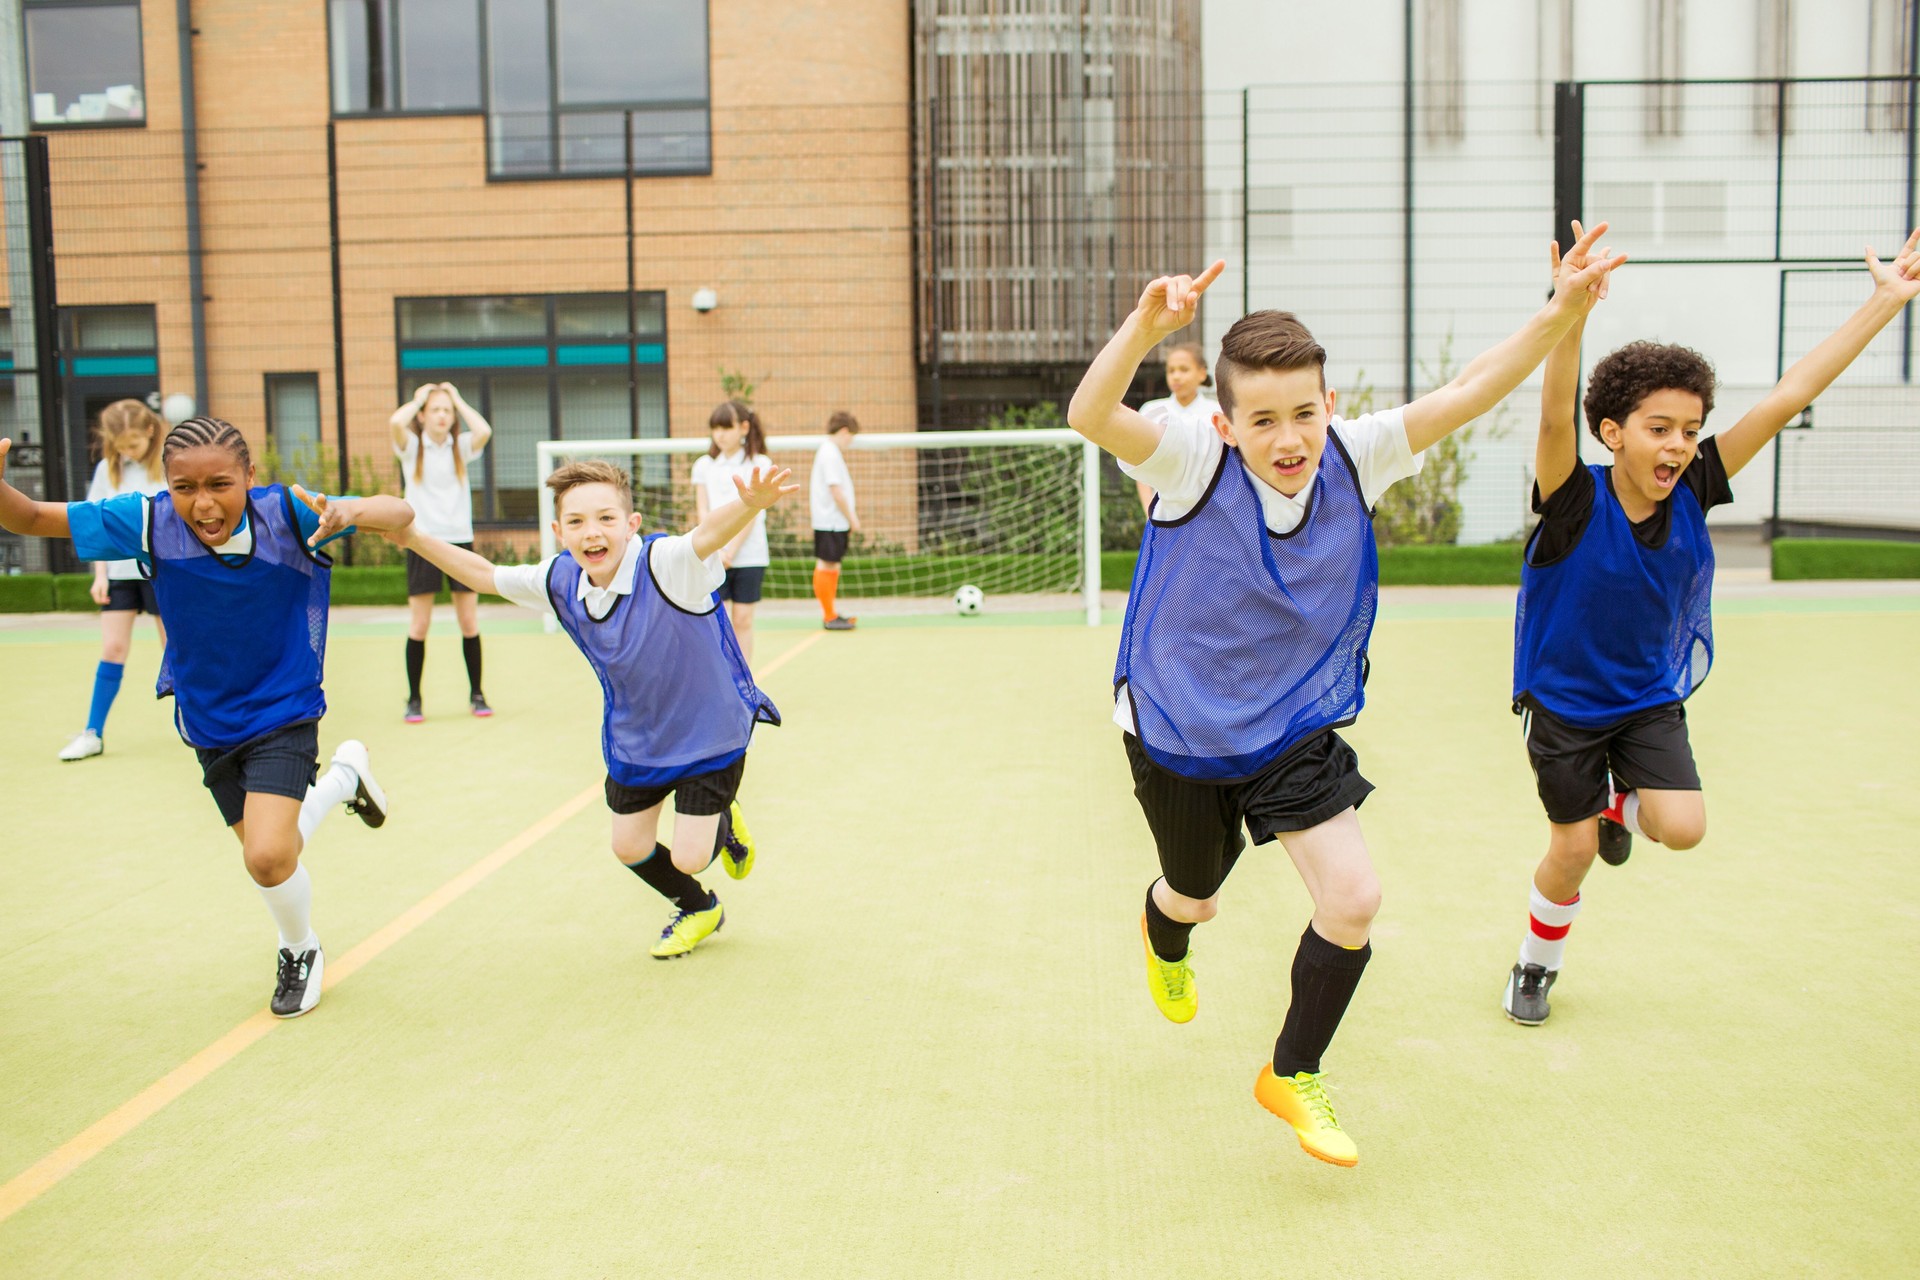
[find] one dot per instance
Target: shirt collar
(622, 584)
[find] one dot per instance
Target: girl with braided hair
(241, 584)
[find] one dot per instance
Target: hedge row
(1496, 564)
(1797, 559)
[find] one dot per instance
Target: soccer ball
(969, 600)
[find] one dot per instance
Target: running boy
(1615, 624)
(681, 705)
(242, 588)
(830, 496)
(1246, 634)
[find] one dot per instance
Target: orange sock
(825, 583)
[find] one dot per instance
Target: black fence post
(339, 326)
(1569, 157)
(46, 315)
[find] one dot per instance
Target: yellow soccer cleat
(1171, 983)
(736, 851)
(1302, 1102)
(687, 930)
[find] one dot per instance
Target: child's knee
(1684, 832)
(270, 864)
(1354, 903)
(1191, 910)
(114, 650)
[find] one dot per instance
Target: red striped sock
(1547, 925)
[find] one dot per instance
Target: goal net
(1014, 513)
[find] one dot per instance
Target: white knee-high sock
(1547, 926)
(1630, 814)
(334, 788)
(291, 902)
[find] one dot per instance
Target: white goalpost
(1015, 513)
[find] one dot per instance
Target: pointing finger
(1212, 273)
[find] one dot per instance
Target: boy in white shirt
(681, 705)
(1245, 641)
(830, 494)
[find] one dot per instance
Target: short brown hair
(1624, 379)
(1272, 340)
(841, 420)
(590, 471)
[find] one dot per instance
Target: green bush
(1797, 559)
(26, 593)
(72, 592)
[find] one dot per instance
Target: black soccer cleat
(369, 801)
(296, 987)
(1616, 842)
(1526, 998)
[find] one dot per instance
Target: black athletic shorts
(702, 794)
(283, 762)
(830, 545)
(1570, 764)
(130, 595)
(424, 577)
(1196, 825)
(743, 585)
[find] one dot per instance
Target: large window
(538, 368)
(558, 79)
(404, 55)
(83, 62)
(293, 421)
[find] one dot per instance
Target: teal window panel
(475, 358)
(114, 366)
(612, 353)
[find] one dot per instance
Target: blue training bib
(1241, 643)
(680, 700)
(247, 639)
(1617, 627)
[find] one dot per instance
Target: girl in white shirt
(129, 436)
(739, 446)
(436, 435)
(1186, 375)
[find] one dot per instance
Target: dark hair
(589, 471)
(195, 432)
(1272, 340)
(841, 420)
(1199, 356)
(736, 413)
(1622, 381)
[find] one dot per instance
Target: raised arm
(21, 514)
(729, 519)
(478, 427)
(380, 513)
(1491, 376)
(1557, 452)
(1166, 306)
(473, 570)
(1893, 288)
(403, 416)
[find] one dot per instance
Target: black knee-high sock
(416, 662)
(1324, 977)
(1168, 937)
(670, 882)
(470, 649)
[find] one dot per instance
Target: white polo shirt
(442, 501)
(682, 577)
(829, 468)
(715, 476)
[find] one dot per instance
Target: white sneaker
(369, 801)
(297, 981)
(85, 743)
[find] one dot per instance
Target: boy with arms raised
(1615, 625)
(1246, 634)
(681, 705)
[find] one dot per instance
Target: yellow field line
(27, 1186)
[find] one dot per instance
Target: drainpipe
(190, 165)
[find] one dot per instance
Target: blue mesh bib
(680, 700)
(1240, 643)
(1617, 627)
(245, 641)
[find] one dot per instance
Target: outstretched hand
(1581, 275)
(1170, 303)
(335, 517)
(764, 488)
(1902, 278)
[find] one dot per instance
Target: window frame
(553, 370)
(267, 383)
(140, 47)
(555, 110)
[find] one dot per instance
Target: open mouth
(1664, 473)
(210, 530)
(594, 554)
(1290, 468)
